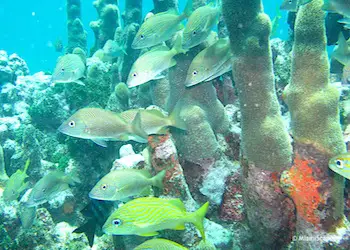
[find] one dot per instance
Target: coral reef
(11, 67)
(76, 33)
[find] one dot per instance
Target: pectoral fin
(180, 227)
(100, 142)
(79, 82)
(149, 234)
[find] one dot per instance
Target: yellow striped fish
(148, 215)
(341, 165)
(160, 244)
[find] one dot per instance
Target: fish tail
(89, 230)
(72, 178)
(328, 6)
(175, 120)
(157, 180)
(188, 9)
(137, 128)
(197, 218)
(177, 47)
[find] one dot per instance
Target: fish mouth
(95, 197)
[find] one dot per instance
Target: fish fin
(197, 218)
(345, 20)
(188, 9)
(88, 229)
(177, 203)
(172, 62)
(177, 46)
(180, 227)
(328, 6)
(163, 131)
(157, 180)
(149, 234)
(180, 26)
(137, 128)
(79, 82)
(100, 142)
(26, 167)
(175, 120)
(73, 178)
(161, 75)
(23, 187)
(146, 191)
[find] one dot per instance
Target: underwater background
(175, 124)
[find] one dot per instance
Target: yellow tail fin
(197, 218)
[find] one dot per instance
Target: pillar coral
(313, 105)
(266, 147)
(76, 32)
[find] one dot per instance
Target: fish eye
(44, 189)
(194, 33)
(62, 69)
(117, 222)
(104, 186)
(194, 73)
(339, 163)
(71, 124)
(142, 36)
(134, 74)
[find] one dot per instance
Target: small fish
(341, 53)
(151, 64)
(27, 216)
(341, 165)
(49, 186)
(16, 183)
(208, 62)
(96, 213)
(346, 22)
(145, 216)
(160, 27)
(125, 183)
(346, 75)
(160, 244)
(339, 6)
(58, 45)
(153, 121)
(199, 25)
(276, 23)
(292, 5)
(112, 49)
(69, 68)
(101, 125)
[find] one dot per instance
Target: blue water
(29, 28)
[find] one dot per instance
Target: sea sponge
(265, 140)
(122, 93)
(76, 33)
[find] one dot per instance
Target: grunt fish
(151, 64)
(224, 68)
(292, 5)
(49, 186)
(69, 68)
(112, 49)
(208, 62)
(153, 121)
(160, 27)
(145, 216)
(160, 244)
(339, 6)
(341, 165)
(16, 183)
(101, 125)
(125, 183)
(199, 25)
(341, 52)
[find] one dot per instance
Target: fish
(95, 213)
(160, 244)
(148, 215)
(58, 45)
(69, 68)
(27, 216)
(101, 125)
(150, 65)
(208, 62)
(293, 5)
(341, 53)
(112, 49)
(339, 6)
(346, 22)
(199, 25)
(125, 183)
(49, 186)
(346, 75)
(153, 121)
(224, 68)
(16, 184)
(160, 27)
(275, 23)
(341, 165)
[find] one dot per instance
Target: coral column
(76, 32)
(265, 141)
(313, 104)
